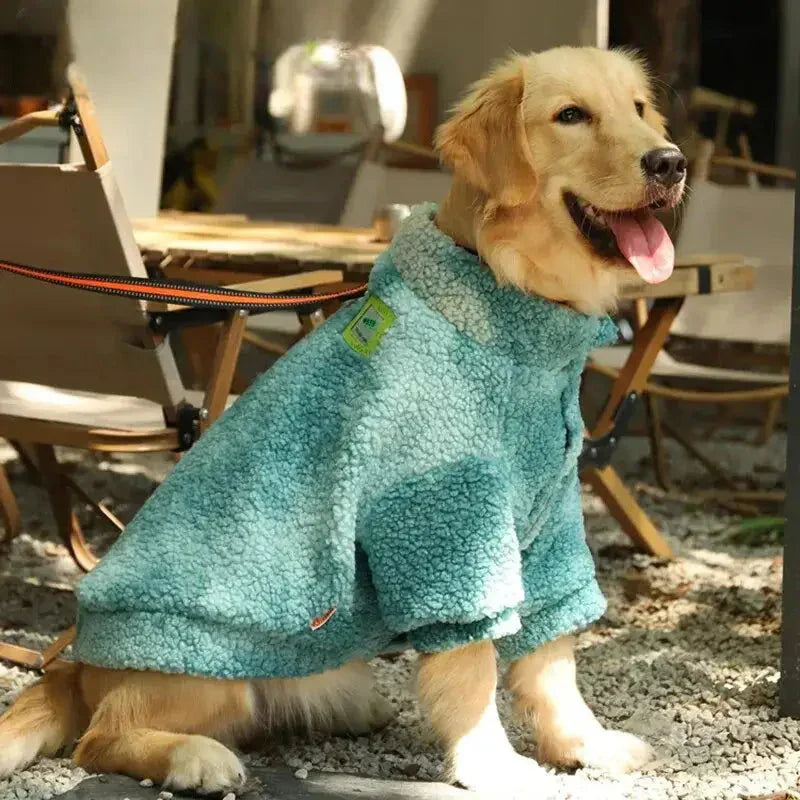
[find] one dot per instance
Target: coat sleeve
(442, 547)
(561, 591)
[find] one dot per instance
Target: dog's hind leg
(45, 718)
(340, 701)
(567, 732)
(169, 728)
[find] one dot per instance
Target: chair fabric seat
(667, 367)
(107, 412)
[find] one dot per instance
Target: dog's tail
(43, 720)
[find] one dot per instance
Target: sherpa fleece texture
(427, 491)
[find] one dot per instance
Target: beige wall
(124, 49)
(456, 39)
(461, 39)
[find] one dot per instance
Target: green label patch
(365, 330)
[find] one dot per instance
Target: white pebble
(301, 774)
(147, 783)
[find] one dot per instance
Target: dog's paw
(18, 752)
(204, 766)
(512, 777)
(615, 752)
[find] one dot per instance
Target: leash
(181, 292)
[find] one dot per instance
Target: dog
(559, 160)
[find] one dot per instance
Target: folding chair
(87, 370)
(756, 222)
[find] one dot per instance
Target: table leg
(632, 378)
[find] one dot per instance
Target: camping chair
(84, 370)
(755, 222)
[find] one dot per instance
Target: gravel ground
(686, 656)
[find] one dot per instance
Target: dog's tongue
(644, 241)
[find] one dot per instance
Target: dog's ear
(485, 142)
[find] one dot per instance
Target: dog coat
(406, 473)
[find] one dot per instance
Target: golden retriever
(559, 159)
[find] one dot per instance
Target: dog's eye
(639, 108)
(572, 114)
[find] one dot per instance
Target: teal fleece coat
(407, 473)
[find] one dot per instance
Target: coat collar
(455, 283)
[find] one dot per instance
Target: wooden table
(230, 244)
(228, 249)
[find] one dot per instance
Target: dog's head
(567, 159)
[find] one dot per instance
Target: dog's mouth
(633, 235)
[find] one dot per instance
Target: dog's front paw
(615, 752)
(204, 766)
(512, 777)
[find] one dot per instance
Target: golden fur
(511, 164)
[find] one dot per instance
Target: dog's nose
(665, 165)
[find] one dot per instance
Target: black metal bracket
(165, 322)
(188, 425)
(68, 118)
(598, 452)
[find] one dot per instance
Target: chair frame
(36, 439)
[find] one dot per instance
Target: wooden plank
(22, 125)
(702, 98)
(725, 276)
(58, 646)
(91, 142)
(748, 165)
(704, 259)
(184, 271)
(223, 368)
(9, 510)
(32, 659)
(235, 226)
(293, 251)
(62, 434)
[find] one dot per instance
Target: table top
(239, 243)
(236, 243)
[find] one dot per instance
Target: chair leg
(9, 510)
(67, 521)
(26, 457)
(34, 659)
(718, 471)
(771, 419)
(24, 656)
(655, 432)
(623, 507)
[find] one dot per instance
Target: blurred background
(275, 145)
(200, 72)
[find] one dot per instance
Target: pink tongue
(644, 241)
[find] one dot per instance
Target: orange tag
(319, 621)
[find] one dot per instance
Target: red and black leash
(182, 293)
